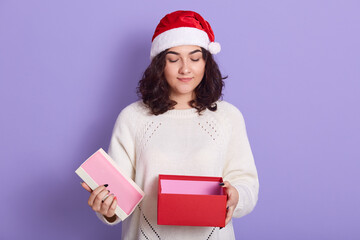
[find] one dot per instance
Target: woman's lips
(185, 79)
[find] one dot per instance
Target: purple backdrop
(67, 68)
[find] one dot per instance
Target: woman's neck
(182, 106)
(182, 101)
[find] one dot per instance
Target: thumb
(87, 188)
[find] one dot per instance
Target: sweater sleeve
(240, 169)
(122, 149)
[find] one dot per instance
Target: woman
(180, 127)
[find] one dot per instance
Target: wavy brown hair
(154, 90)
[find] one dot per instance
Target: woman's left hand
(232, 200)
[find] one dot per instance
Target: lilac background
(67, 68)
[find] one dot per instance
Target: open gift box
(191, 201)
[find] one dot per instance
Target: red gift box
(191, 201)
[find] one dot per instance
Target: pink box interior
(99, 168)
(190, 187)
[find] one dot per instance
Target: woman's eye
(195, 60)
(172, 60)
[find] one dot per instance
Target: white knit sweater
(181, 142)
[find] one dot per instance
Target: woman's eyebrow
(195, 51)
(176, 53)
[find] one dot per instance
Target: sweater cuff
(103, 219)
(246, 202)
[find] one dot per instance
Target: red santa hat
(183, 28)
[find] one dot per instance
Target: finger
(226, 184)
(98, 200)
(233, 196)
(230, 198)
(229, 214)
(87, 188)
(94, 194)
(108, 208)
(112, 209)
(105, 205)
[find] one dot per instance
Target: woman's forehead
(185, 49)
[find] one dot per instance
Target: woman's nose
(184, 68)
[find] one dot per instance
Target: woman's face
(184, 70)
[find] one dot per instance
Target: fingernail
(221, 184)
(115, 197)
(106, 185)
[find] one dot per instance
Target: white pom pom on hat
(214, 47)
(183, 28)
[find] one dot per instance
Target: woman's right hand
(106, 207)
